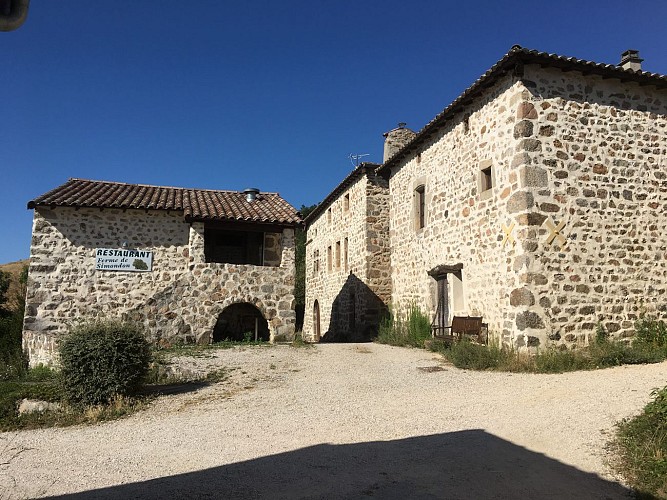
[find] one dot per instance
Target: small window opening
(329, 259)
(466, 124)
(338, 255)
(420, 207)
(487, 179)
(346, 202)
(345, 253)
(329, 215)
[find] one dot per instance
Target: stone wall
(569, 235)
(462, 224)
(351, 297)
(180, 299)
(593, 162)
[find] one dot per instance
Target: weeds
(641, 448)
(409, 330)
(298, 341)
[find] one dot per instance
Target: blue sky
(277, 95)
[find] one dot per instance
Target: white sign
(112, 259)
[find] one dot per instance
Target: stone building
(192, 265)
(347, 259)
(540, 196)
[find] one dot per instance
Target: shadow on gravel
(468, 464)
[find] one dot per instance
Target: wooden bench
(462, 327)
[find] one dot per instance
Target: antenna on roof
(354, 159)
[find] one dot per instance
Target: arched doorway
(241, 322)
(316, 321)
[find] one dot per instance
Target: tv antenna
(354, 159)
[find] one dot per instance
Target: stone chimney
(395, 139)
(630, 60)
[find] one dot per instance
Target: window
(487, 181)
(329, 260)
(345, 253)
(420, 207)
(346, 202)
(486, 178)
(233, 247)
(316, 261)
(338, 255)
(329, 215)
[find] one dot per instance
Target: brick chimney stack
(630, 60)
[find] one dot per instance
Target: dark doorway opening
(241, 322)
(316, 321)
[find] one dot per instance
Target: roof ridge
(519, 54)
(118, 183)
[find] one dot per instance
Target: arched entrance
(316, 321)
(241, 322)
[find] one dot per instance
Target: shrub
(650, 331)
(13, 363)
(465, 354)
(101, 360)
(411, 329)
(641, 444)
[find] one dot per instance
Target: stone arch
(241, 321)
(269, 315)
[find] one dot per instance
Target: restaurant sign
(112, 259)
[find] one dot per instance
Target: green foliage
(601, 334)
(298, 341)
(102, 360)
(5, 280)
(409, 329)
(641, 445)
(139, 264)
(604, 354)
(471, 356)
(651, 332)
(13, 362)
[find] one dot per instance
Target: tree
(5, 280)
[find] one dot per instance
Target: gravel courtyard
(344, 421)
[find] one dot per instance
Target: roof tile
(196, 204)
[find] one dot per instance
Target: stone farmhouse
(192, 265)
(537, 200)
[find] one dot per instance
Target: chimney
(630, 60)
(251, 194)
(394, 140)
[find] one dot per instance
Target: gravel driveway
(344, 421)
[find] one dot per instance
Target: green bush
(101, 360)
(411, 329)
(13, 363)
(465, 354)
(641, 445)
(651, 331)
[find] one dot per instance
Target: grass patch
(641, 449)
(468, 355)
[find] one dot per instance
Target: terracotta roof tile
(196, 204)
